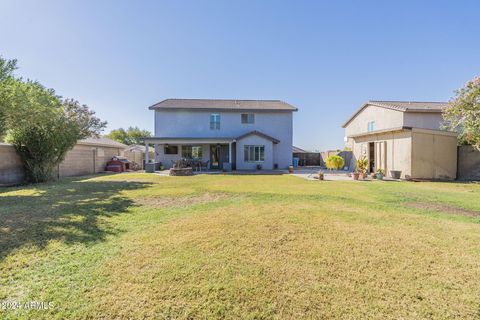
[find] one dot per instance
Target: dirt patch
(179, 202)
(444, 208)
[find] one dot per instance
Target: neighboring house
(239, 134)
(136, 153)
(405, 136)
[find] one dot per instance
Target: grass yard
(260, 247)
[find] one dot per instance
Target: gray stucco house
(240, 133)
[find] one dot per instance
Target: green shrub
(335, 162)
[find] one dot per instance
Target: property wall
(309, 158)
(189, 124)
(81, 160)
(396, 150)
(434, 155)
(11, 167)
(255, 140)
(468, 163)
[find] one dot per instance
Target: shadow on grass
(69, 210)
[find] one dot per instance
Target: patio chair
(204, 165)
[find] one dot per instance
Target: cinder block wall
(468, 163)
(11, 166)
(81, 160)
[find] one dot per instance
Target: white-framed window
(215, 121)
(253, 153)
(192, 152)
(248, 118)
(371, 126)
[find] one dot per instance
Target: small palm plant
(335, 162)
(362, 165)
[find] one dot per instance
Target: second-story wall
(423, 120)
(185, 123)
(388, 119)
(384, 119)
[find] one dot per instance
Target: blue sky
(324, 57)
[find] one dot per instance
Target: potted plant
(355, 175)
(396, 174)
(259, 167)
(290, 169)
(320, 175)
(380, 174)
(373, 175)
(362, 164)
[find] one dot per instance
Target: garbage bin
(227, 166)
(295, 162)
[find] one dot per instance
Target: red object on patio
(118, 164)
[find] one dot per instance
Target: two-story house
(404, 136)
(237, 134)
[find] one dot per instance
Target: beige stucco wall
(434, 155)
(384, 119)
(423, 120)
(397, 149)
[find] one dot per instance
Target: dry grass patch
(162, 202)
(444, 208)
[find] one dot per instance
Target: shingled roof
(402, 106)
(102, 141)
(224, 104)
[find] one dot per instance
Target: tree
(463, 113)
(41, 125)
(6, 80)
(335, 162)
(132, 135)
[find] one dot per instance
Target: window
(248, 118)
(192, 152)
(215, 121)
(254, 153)
(371, 126)
(171, 149)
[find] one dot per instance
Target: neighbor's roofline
(379, 104)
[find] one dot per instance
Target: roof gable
(223, 104)
(402, 106)
(260, 134)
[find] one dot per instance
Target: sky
(324, 57)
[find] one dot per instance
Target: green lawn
(144, 246)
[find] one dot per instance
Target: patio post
(146, 153)
(230, 152)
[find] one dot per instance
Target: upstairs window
(371, 126)
(248, 118)
(215, 121)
